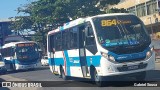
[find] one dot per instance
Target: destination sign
(25, 44)
(113, 22)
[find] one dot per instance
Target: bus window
(89, 35)
(81, 36)
(8, 52)
(65, 40)
(73, 38)
(1, 58)
(58, 40)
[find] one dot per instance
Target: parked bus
(101, 46)
(20, 55)
(2, 65)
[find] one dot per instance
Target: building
(147, 10)
(4, 29)
(5, 32)
(13, 38)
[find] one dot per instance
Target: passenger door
(51, 49)
(82, 53)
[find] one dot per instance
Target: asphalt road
(44, 74)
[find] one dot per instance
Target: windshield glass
(1, 58)
(27, 51)
(122, 34)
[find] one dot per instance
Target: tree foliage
(44, 13)
(116, 10)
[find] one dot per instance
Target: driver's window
(90, 31)
(1, 58)
(89, 35)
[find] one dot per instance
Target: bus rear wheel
(64, 77)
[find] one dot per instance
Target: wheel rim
(97, 78)
(63, 75)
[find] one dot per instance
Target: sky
(8, 7)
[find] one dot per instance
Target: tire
(52, 69)
(3, 71)
(96, 78)
(12, 67)
(64, 77)
(141, 76)
(31, 69)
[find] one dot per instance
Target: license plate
(28, 66)
(133, 67)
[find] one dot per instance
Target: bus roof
(15, 43)
(112, 14)
(68, 25)
(82, 20)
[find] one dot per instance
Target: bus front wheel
(96, 78)
(12, 67)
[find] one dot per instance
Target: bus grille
(129, 68)
(131, 60)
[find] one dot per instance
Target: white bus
(2, 65)
(20, 55)
(101, 46)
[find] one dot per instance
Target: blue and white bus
(21, 55)
(2, 65)
(101, 46)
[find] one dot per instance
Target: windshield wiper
(121, 31)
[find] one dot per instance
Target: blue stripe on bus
(67, 62)
(96, 59)
(71, 61)
(127, 57)
(93, 60)
(50, 61)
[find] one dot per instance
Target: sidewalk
(157, 60)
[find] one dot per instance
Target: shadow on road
(153, 76)
(30, 70)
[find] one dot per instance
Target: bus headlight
(109, 57)
(152, 48)
(148, 54)
(104, 55)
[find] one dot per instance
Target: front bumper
(126, 68)
(2, 69)
(19, 67)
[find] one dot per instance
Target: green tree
(44, 13)
(116, 10)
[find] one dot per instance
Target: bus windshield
(1, 59)
(27, 51)
(122, 33)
